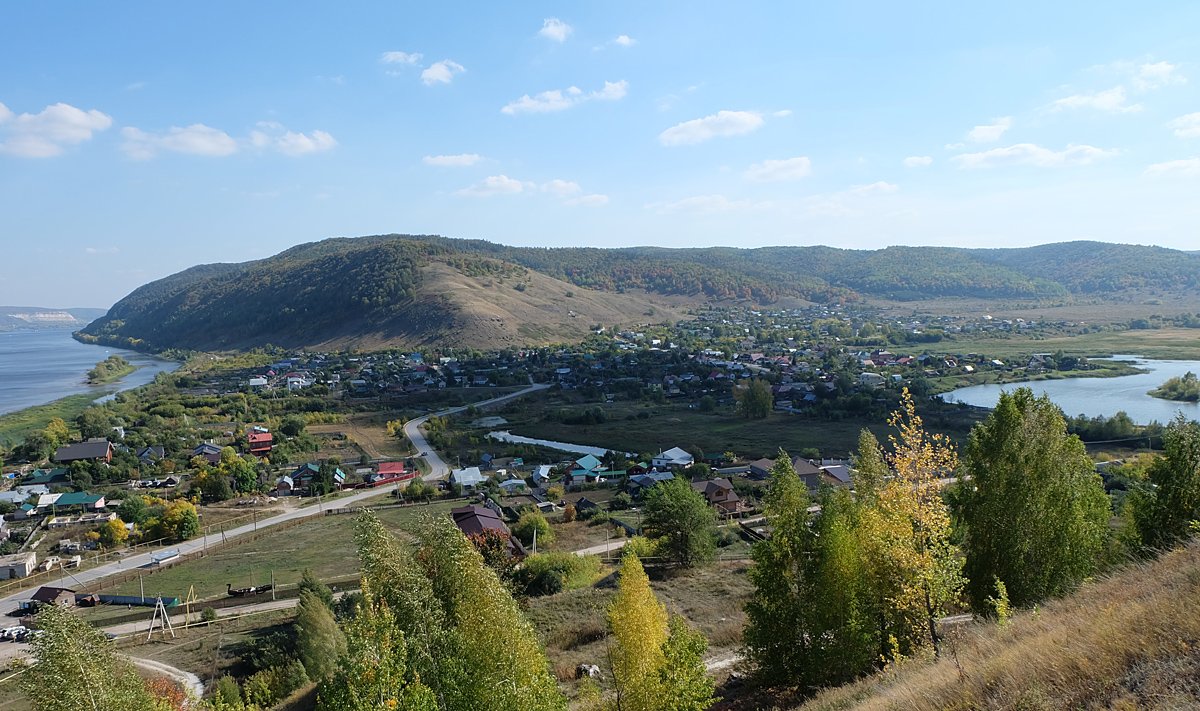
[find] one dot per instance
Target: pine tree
(1035, 511)
(1167, 512)
(319, 642)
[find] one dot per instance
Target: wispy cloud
(496, 185)
(460, 160)
(706, 205)
(47, 133)
(396, 57)
(918, 161)
(990, 132)
(1155, 75)
(442, 72)
(624, 40)
(196, 139)
(850, 201)
(555, 29)
(1186, 126)
(720, 124)
(562, 99)
(779, 170)
(1187, 167)
(1035, 155)
(274, 136)
(1111, 100)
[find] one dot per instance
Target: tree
(133, 510)
(754, 397)
(532, 522)
(1166, 512)
(1034, 511)
(681, 522)
(179, 521)
(310, 584)
(74, 667)
(639, 626)
(57, 432)
(293, 426)
(113, 533)
(93, 422)
(915, 569)
(657, 662)
(319, 642)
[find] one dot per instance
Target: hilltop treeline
(308, 293)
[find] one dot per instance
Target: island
(1185, 388)
(110, 369)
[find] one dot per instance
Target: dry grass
(1131, 641)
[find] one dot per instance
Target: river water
(1101, 396)
(560, 446)
(38, 366)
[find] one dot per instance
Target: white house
(468, 478)
(672, 458)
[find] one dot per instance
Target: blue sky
(140, 138)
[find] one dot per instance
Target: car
(11, 632)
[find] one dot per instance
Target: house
(96, 449)
(720, 495)
(586, 504)
(304, 474)
(46, 478)
(49, 595)
(840, 472)
(151, 454)
(638, 484)
(673, 458)
(588, 463)
(259, 442)
(871, 380)
(541, 475)
(16, 497)
(285, 486)
(473, 520)
(513, 485)
(468, 478)
(17, 565)
(76, 499)
(257, 383)
(761, 468)
(210, 452)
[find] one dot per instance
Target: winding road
(438, 469)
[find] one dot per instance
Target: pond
(1101, 396)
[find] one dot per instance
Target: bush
(208, 615)
(642, 547)
(620, 502)
(569, 513)
(530, 522)
(549, 573)
(727, 537)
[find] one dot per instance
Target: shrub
(530, 522)
(549, 573)
(642, 547)
(208, 615)
(620, 502)
(569, 513)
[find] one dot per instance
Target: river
(1101, 396)
(560, 446)
(39, 366)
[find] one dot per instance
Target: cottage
(639, 483)
(209, 451)
(588, 463)
(152, 454)
(96, 449)
(285, 486)
(304, 474)
(720, 495)
(541, 475)
(513, 485)
(474, 520)
(49, 595)
(469, 479)
(17, 565)
(259, 442)
(673, 458)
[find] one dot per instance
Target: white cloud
(47, 133)
(846, 202)
(293, 143)
(1032, 154)
(197, 139)
(495, 185)
(593, 200)
(625, 41)
(779, 170)
(100, 250)
(880, 186)
(441, 72)
(460, 160)
(1157, 75)
(782, 113)
(720, 124)
(1188, 167)
(562, 99)
(990, 132)
(1111, 100)
(1186, 126)
(400, 57)
(918, 161)
(561, 188)
(706, 205)
(555, 29)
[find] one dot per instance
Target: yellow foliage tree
(905, 526)
(113, 533)
(639, 624)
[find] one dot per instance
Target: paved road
(603, 549)
(438, 469)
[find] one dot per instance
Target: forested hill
(395, 285)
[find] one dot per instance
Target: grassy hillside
(417, 290)
(1130, 641)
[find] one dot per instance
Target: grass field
(324, 545)
(675, 424)
(15, 425)
(1165, 343)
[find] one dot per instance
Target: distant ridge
(423, 290)
(13, 318)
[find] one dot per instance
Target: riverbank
(16, 425)
(1098, 369)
